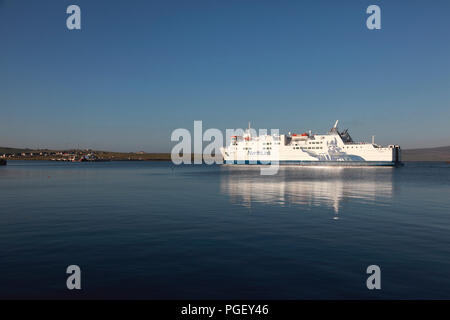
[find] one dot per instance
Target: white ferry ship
(332, 148)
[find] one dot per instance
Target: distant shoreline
(439, 154)
(169, 160)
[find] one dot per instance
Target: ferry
(335, 148)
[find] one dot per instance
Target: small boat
(2, 162)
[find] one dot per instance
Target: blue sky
(140, 69)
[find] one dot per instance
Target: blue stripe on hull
(318, 163)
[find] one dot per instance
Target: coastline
(440, 154)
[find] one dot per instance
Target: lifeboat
(297, 137)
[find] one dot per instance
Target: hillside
(13, 150)
(428, 154)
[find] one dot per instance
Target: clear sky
(140, 69)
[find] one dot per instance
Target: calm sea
(154, 230)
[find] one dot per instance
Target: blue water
(153, 230)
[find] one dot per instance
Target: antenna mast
(335, 124)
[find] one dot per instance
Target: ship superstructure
(333, 148)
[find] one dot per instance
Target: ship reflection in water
(308, 187)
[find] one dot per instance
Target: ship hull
(319, 163)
